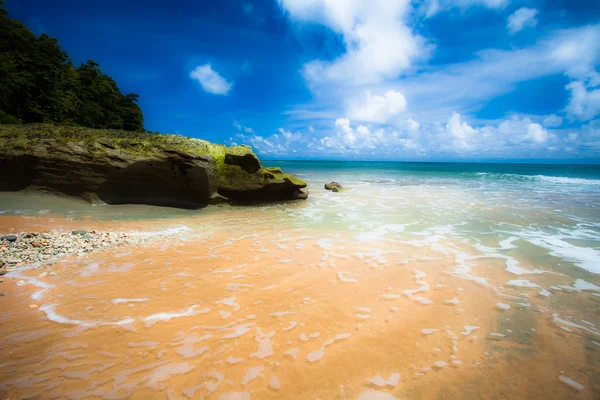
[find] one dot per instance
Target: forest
(40, 84)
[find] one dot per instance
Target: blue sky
(433, 80)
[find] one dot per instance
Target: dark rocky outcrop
(119, 167)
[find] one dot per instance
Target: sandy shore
(283, 313)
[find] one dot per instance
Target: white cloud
(379, 43)
(241, 127)
(439, 90)
(377, 108)
(286, 134)
(553, 121)
(584, 103)
(432, 7)
(461, 131)
(413, 125)
(522, 18)
(514, 138)
(210, 80)
(536, 133)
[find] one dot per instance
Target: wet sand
(234, 311)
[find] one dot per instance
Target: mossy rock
(121, 167)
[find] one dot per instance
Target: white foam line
(48, 309)
(170, 231)
(574, 325)
(120, 300)
(166, 316)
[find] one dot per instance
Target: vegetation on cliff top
(38, 83)
(134, 143)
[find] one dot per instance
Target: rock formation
(118, 167)
(333, 186)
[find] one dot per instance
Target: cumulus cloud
(439, 90)
(436, 93)
(370, 83)
(210, 80)
(514, 138)
(584, 103)
(522, 18)
(536, 133)
(461, 131)
(379, 43)
(377, 108)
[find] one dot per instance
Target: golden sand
(281, 314)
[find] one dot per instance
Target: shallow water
(417, 282)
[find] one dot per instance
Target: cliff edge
(120, 167)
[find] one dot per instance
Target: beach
(416, 281)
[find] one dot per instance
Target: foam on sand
(469, 329)
(380, 381)
(265, 346)
(571, 383)
(167, 316)
(318, 354)
(251, 374)
(120, 300)
(376, 395)
(587, 258)
(343, 278)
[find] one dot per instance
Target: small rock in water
(333, 186)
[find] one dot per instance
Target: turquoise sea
(553, 210)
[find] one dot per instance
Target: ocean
(417, 281)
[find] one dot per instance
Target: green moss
(133, 143)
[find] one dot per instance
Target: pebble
(3, 294)
(9, 238)
(31, 248)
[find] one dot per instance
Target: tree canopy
(38, 83)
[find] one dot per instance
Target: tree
(38, 83)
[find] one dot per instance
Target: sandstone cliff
(119, 167)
